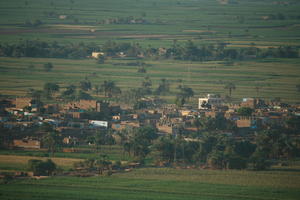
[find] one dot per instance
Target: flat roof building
(209, 101)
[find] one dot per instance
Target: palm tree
(35, 94)
(110, 88)
(69, 93)
(97, 89)
(103, 163)
(105, 87)
(298, 87)
(230, 86)
(197, 123)
(52, 140)
(257, 88)
(165, 146)
(50, 88)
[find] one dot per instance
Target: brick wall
(30, 144)
(22, 102)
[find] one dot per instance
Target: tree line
(187, 51)
(207, 147)
(42, 49)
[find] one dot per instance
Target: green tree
(97, 89)
(236, 162)
(84, 95)
(257, 88)
(259, 160)
(103, 163)
(142, 70)
(48, 67)
(141, 140)
(183, 95)
(230, 86)
(293, 124)
(197, 123)
(245, 111)
(35, 94)
(42, 168)
(163, 87)
(298, 87)
(179, 101)
(146, 86)
(52, 140)
(70, 92)
(85, 85)
(101, 59)
(7, 178)
(165, 145)
(109, 88)
(185, 92)
(6, 137)
(50, 89)
(216, 159)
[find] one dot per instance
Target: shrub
(41, 168)
(48, 67)
(259, 161)
(236, 162)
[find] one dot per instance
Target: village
(75, 123)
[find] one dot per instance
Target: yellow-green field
(13, 162)
(275, 77)
(152, 183)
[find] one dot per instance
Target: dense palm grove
(179, 51)
(208, 147)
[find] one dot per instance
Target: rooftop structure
(209, 101)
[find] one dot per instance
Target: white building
(209, 101)
(97, 54)
(97, 123)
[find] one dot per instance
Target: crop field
(114, 152)
(153, 183)
(236, 22)
(275, 77)
(152, 23)
(12, 162)
(261, 24)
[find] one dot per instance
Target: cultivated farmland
(268, 30)
(239, 24)
(162, 184)
(277, 77)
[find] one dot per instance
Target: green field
(151, 183)
(205, 21)
(276, 77)
(237, 23)
(114, 152)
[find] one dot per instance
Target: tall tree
(48, 67)
(97, 89)
(109, 88)
(230, 86)
(183, 95)
(83, 95)
(50, 89)
(257, 88)
(185, 92)
(298, 87)
(52, 140)
(85, 85)
(163, 87)
(103, 163)
(146, 85)
(69, 93)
